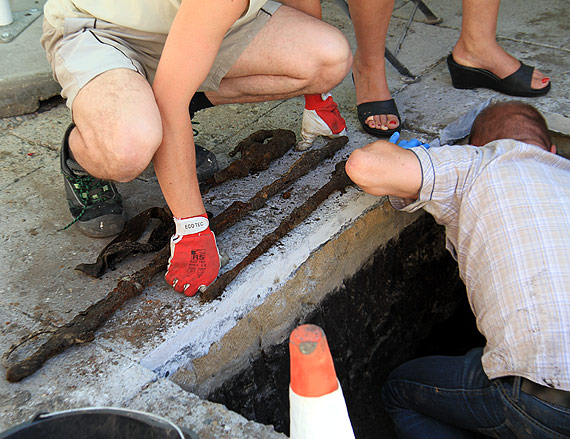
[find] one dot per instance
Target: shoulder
(514, 151)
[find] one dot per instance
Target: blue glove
(406, 144)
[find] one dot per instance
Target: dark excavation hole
(406, 301)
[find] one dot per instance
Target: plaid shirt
(506, 209)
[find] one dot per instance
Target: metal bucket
(98, 423)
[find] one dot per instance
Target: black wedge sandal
(516, 84)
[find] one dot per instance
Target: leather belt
(546, 394)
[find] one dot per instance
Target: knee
(131, 150)
(388, 394)
(335, 59)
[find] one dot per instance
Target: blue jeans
(451, 397)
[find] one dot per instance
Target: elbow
(367, 168)
(357, 168)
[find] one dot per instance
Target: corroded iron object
(82, 327)
(338, 181)
(309, 160)
(257, 151)
(126, 244)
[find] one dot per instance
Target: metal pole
(406, 29)
(5, 13)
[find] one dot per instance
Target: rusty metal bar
(238, 209)
(82, 327)
(338, 181)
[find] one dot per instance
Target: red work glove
(194, 260)
(320, 118)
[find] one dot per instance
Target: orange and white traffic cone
(317, 407)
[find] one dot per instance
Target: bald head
(510, 120)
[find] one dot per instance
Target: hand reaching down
(194, 259)
(406, 144)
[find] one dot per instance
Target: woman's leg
(477, 45)
(371, 20)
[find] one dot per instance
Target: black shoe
(516, 84)
(198, 102)
(96, 205)
(206, 162)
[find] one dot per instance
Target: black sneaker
(95, 205)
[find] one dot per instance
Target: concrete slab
(27, 78)
(155, 334)
(434, 94)
(518, 21)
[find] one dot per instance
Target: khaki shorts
(89, 46)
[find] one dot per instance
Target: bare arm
(189, 52)
(382, 168)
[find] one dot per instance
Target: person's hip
(544, 393)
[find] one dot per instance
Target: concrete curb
(27, 78)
